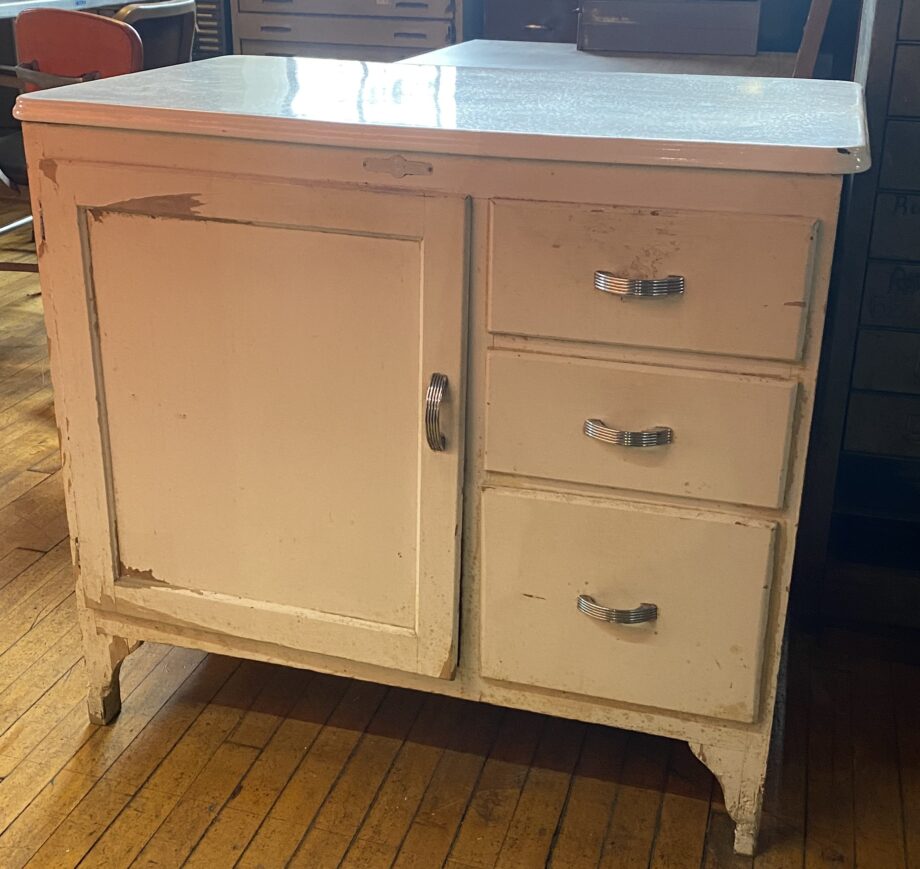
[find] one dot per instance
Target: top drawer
(379, 8)
(747, 277)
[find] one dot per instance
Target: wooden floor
(216, 762)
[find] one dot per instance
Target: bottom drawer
(708, 574)
(887, 425)
(277, 48)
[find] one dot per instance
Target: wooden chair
(166, 28)
(57, 47)
(815, 25)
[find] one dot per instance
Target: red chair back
(62, 42)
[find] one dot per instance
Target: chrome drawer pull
(607, 282)
(434, 395)
(645, 612)
(658, 436)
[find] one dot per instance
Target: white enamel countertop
(759, 124)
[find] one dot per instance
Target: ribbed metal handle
(607, 282)
(645, 612)
(434, 395)
(658, 436)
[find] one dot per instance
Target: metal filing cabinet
(372, 30)
(862, 502)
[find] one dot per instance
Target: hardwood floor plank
(719, 851)
(20, 812)
(530, 833)
(163, 701)
(168, 756)
(28, 582)
(907, 712)
(239, 820)
(782, 835)
(878, 818)
(172, 749)
(304, 794)
(14, 562)
(29, 730)
(22, 842)
(66, 696)
(284, 685)
(36, 519)
(344, 810)
(27, 690)
(451, 788)
(634, 819)
(829, 838)
(23, 653)
(190, 817)
(488, 816)
(684, 812)
(591, 799)
(37, 606)
(400, 795)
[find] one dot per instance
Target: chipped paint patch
(48, 168)
(167, 204)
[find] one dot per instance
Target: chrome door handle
(645, 612)
(658, 436)
(607, 282)
(434, 395)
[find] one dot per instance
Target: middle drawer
(417, 32)
(730, 438)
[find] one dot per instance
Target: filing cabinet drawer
(896, 228)
(747, 277)
(708, 575)
(887, 361)
(277, 48)
(531, 20)
(892, 296)
(730, 434)
(910, 20)
(905, 82)
(375, 8)
(887, 425)
(900, 167)
(402, 32)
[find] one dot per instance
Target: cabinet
(514, 416)
(383, 30)
(860, 541)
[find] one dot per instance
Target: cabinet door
(261, 355)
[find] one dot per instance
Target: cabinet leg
(103, 654)
(741, 772)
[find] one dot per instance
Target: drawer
(887, 361)
(747, 277)
(885, 425)
(276, 48)
(374, 8)
(899, 159)
(709, 576)
(402, 32)
(892, 296)
(896, 227)
(730, 434)
(910, 20)
(905, 82)
(531, 20)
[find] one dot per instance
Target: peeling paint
(167, 204)
(126, 572)
(48, 168)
